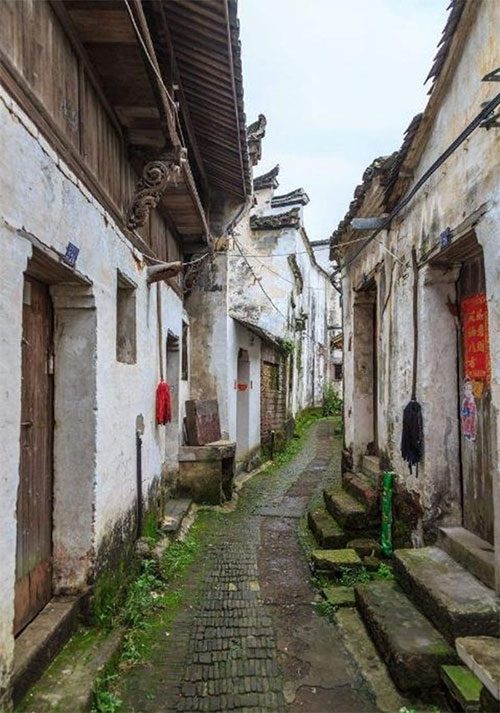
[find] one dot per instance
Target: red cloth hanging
(163, 403)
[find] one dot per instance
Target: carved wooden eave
(267, 180)
(296, 197)
(277, 221)
(156, 176)
(255, 134)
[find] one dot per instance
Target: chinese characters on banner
(476, 355)
(474, 312)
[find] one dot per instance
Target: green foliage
(287, 345)
(350, 576)
(326, 609)
(332, 403)
(104, 700)
(383, 572)
(150, 528)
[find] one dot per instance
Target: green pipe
(386, 534)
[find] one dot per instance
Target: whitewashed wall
(40, 196)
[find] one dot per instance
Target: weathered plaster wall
(267, 254)
(467, 181)
(48, 202)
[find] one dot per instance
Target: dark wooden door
(475, 401)
(34, 499)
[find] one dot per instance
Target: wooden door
(475, 401)
(34, 499)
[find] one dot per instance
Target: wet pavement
(251, 640)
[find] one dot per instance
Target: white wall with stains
(48, 204)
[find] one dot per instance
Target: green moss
(150, 529)
(466, 683)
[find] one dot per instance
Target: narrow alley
(251, 639)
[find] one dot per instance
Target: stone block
(202, 422)
(346, 510)
(365, 546)
(411, 647)
(482, 655)
(335, 560)
(202, 481)
(464, 687)
(363, 489)
(326, 530)
(339, 596)
(453, 599)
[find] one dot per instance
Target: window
(126, 338)
(337, 372)
(185, 352)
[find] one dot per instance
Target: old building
(118, 139)
(421, 301)
(261, 314)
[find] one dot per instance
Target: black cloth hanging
(412, 435)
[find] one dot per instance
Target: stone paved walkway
(253, 641)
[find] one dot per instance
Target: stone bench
(206, 473)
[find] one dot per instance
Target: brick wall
(272, 392)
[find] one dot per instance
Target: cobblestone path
(252, 640)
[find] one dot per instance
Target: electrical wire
(488, 109)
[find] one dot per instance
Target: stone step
(339, 596)
(482, 655)
(370, 466)
(348, 512)
(411, 647)
(334, 561)
(365, 546)
(325, 529)
(363, 489)
(455, 601)
(174, 512)
(373, 671)
(463, 686)
(469, 550)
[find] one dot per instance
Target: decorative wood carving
(156, 176)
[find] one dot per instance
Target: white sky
(339, 82)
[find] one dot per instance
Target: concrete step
(363, 489)
(481, 654)
(464, 688)
(348, 511)
(325, 529)
(469, 550)
(370, 466)
(175, 511)
(365, 546)
(455, 601)
(411, 647)
(335, 561)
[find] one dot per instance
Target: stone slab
(469, 550)
(463, 685)
(326, 530)
(41, 640)
(339, 596)
(335, 560)
(349, 513)
(220, 450)
(363, 489)
(174, 512)
(202, 421)
(482, 655)
(68, 684)
(371, 466)
(452, 598)
(372, 669)
(411, 647)
(365, 546)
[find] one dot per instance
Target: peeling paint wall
(95, 407)
(466, 185)
(296, 310)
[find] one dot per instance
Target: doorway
(173, 370)
(475, 400)
(35, 493)
(365, 396)
(243, 402)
